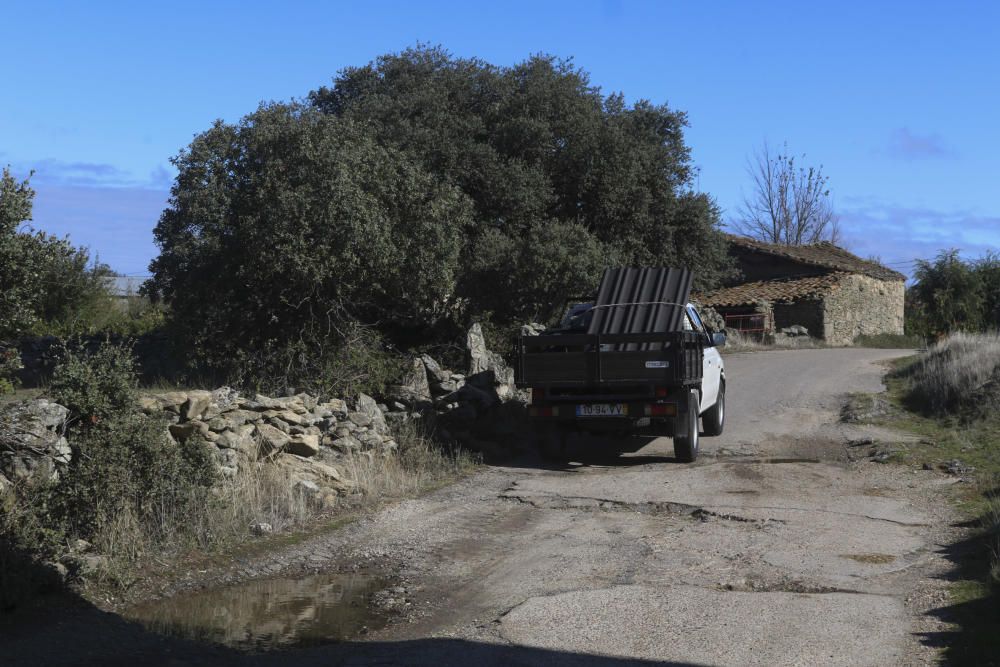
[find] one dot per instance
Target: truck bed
(671, 359)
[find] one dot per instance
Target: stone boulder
(369, 407)
(32, 445)
(434, 371)
(271, 441)
(336, 407)
(415, 389)
(532, 329)
(48, 414)
(196, 404)
(188, 430)
(303, 445)
(487, 370)
(171, 401)
(795, 330)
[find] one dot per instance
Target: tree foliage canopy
(44, 280)
(423, 188)
(951, 294)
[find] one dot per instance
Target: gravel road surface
(775, 548)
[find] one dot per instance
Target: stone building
(835, 295)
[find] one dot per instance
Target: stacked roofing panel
(632, 300)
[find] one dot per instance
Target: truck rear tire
(715, 416)
(686, 447)
(552, 444)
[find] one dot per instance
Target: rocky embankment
(308, 435)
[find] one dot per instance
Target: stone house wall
(862, 306)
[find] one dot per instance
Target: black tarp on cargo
(648, 300)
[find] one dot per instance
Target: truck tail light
(663, 409)
(661, 392)
(543, 411)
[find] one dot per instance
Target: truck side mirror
(718, 339)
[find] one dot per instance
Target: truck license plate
(602, 410)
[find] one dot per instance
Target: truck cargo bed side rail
(672, 358)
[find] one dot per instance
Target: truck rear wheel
(715, 416)
(686, 446)
(552, 444)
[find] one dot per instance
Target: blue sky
(897, 100)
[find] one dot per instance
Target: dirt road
(773, 549)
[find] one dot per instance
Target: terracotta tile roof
(823, 254)
(775, 291)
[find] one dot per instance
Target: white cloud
(900, 234)
(907, 145)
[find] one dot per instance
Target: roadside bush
(98, 386)
(959, 374)
(527, 278)
(951, 294)
(343, 362)
(10, 364)
(128, 489)
(131, 488)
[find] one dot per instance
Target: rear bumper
(634, 411)
(660, 416)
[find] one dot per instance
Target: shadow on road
(84, 637)
(583, 450)
(449, 652)
(976, 640)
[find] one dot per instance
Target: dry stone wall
(308, 435)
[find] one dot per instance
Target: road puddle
(272, 613)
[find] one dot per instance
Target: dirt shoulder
(775, 548)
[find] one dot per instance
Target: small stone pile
(489, 380)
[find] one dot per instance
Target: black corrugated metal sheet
(632, 300)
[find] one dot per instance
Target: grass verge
(737, 342)
(934, 397)
(891, 342)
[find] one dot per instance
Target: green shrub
(10, 364)
(128, 489)
(96, 386)
(342, 363)
(130, 480)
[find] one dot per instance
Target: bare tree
(790, 204)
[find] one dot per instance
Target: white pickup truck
(663, 379)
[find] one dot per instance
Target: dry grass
(168, 535)
(989, 486)
(419, 464)
(264, 493)
(958, 374)
(737, 342)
